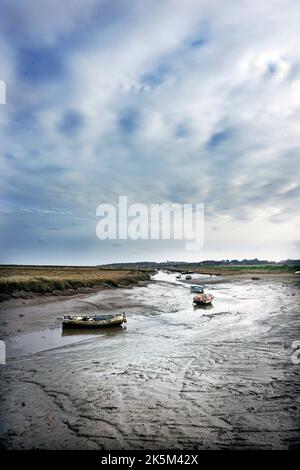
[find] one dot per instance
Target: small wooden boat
(93, 321)
(203, 299)
(197, 289)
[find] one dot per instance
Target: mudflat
(176, 377)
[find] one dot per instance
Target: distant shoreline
(248, 270)
(245, 276)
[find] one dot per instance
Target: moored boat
(178, 276)
(203, 299)
(188, 277)
(93, 321)
(197, 289)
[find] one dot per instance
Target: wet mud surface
(176, 377)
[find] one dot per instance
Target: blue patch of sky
(200, 37)
(165, 69)
(39, 64)
(15, 23)
(218, 138)
(9, 156)
(71, 123)
(180, 193)
(23, 120)
(182, 130)
(272, 68)
(129, 120)
(156, 76)
(199, 42)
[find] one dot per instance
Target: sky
(164, 102)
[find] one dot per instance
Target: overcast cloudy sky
(163, 101)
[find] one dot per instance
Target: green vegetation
(240, 269)
(217, 266)
(51, 279)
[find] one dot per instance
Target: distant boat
(197, 289)
(203, 299)
(188, 277)
(178, 276)
(94, 321)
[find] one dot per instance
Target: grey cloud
(158, 107)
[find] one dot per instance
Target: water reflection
(112, 330)
(202, 307)
(32, 343)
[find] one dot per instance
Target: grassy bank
(248, 269)
(17, 281)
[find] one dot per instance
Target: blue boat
(197, 289)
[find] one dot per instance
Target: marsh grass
(48, 279)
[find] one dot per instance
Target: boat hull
(105, 323)
(203, 299)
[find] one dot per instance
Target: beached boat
(188, 277)
(197, 289)
(203, 299)
(93, 321)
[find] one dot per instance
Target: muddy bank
(41, 312)
(178, 376)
